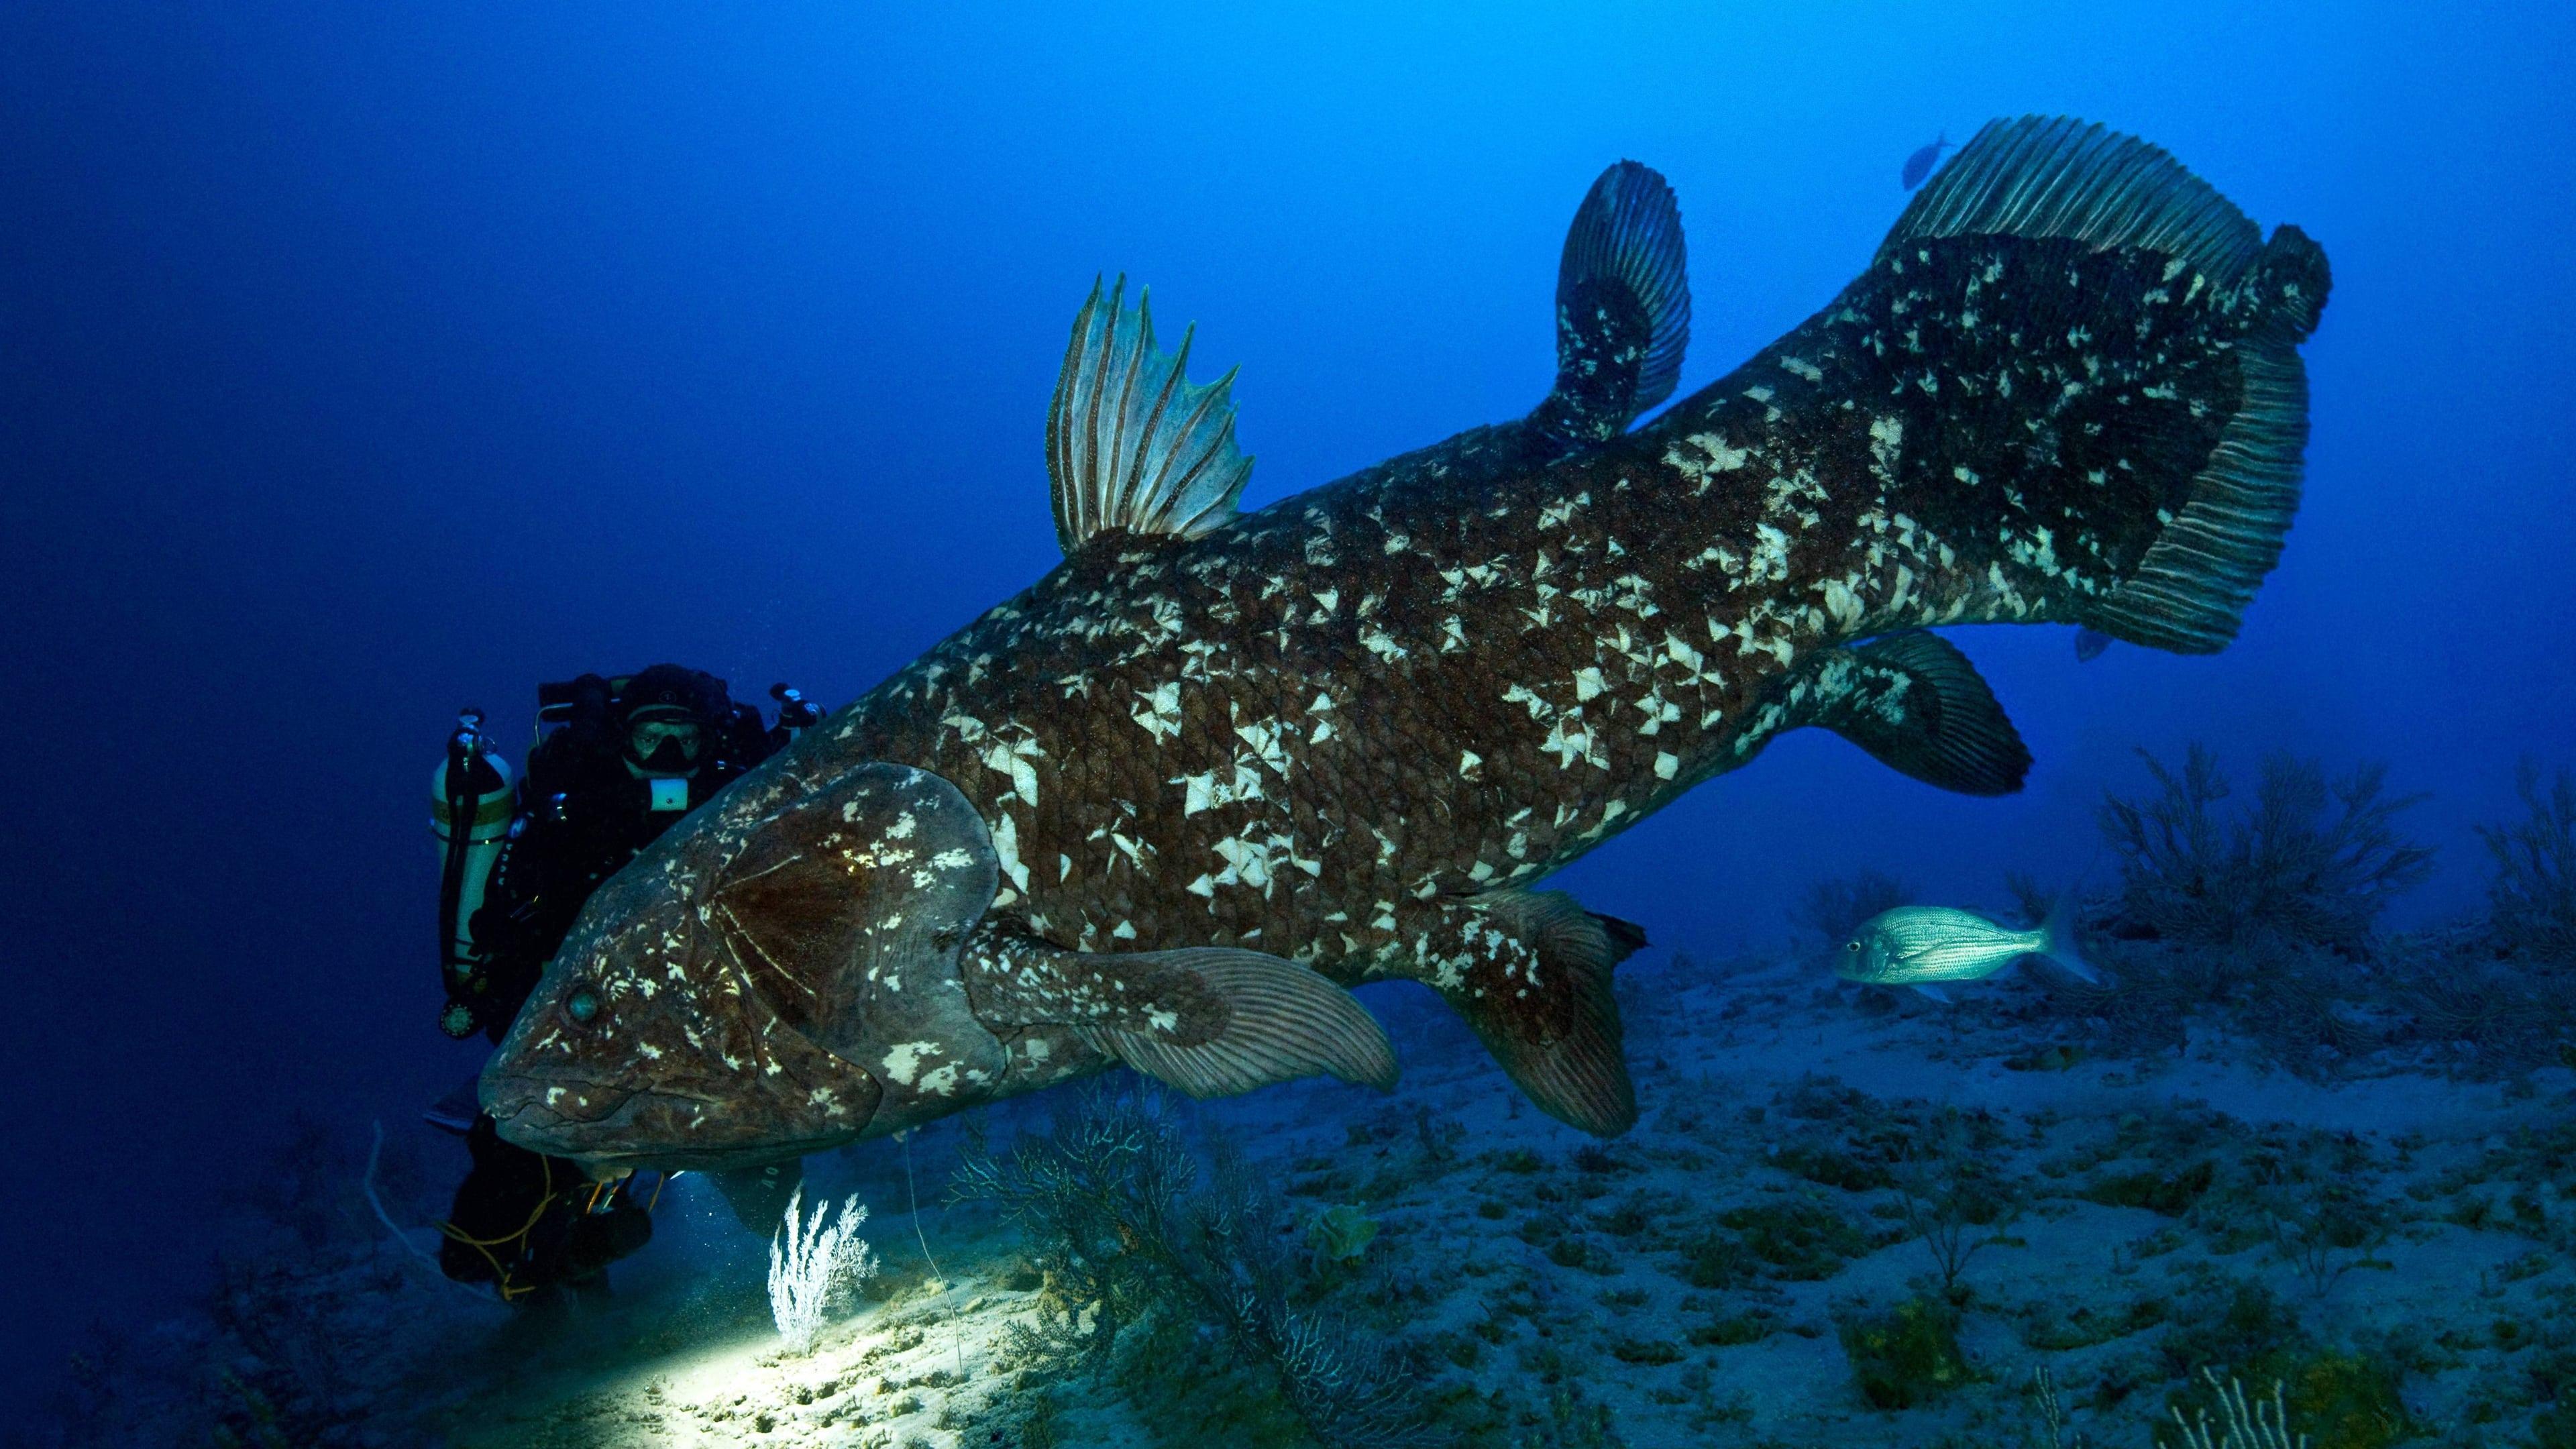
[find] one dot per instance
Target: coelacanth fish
(1163, 805)
(1926, 946)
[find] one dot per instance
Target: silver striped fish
(1924, 946)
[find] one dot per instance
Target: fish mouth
(563, 1119)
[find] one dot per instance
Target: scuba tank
(471, 801)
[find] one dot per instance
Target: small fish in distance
(1924, 946)
(1918, 167)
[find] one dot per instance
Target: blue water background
(359, 361)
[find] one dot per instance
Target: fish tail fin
(1622, 302)
(2081, 386)
(2189, 591)
(2058, 943)
(1555, 1031)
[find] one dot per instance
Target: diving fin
(1915, 702)
(1132, 444)
(1622, 304)
(1211, 1020)
(1554, 1029)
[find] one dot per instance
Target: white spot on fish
(1006, 846)
(904, 1061)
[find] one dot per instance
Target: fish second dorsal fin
(1132, 444)
(1624, 249)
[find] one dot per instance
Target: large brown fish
(1162, 806)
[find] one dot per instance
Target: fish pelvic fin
(1211, 1021)
(1622, 303)
(1920, 708)
(1537, 993)
(2176, 437)
(1132, 444)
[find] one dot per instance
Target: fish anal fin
(1132, 444)
(1532, 977)
(1916, 704)
(1211, 1021)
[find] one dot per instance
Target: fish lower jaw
(606, 1144)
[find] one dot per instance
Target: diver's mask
(664, 744)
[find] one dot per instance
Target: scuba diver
(616, 763)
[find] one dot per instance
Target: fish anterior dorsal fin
(1132, 444)
(1622, 301)
(1916, 704)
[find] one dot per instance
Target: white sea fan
(814, 1264)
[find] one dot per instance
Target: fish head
(777, 974)
(1870, 953)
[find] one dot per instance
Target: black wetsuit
(521, 1220)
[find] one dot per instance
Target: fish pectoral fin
(1622, 303)
(1213, 1021)
(1533, 981)
(1133, 445)
(1919, 707)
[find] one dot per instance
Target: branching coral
(1122, 1224)
(814, 1264)
(1834, 908)
(2263, 1425)
(2309, 862)
(2532, 899)
(1946, 1193)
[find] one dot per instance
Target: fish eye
(582, 1005)
(1851, 945)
